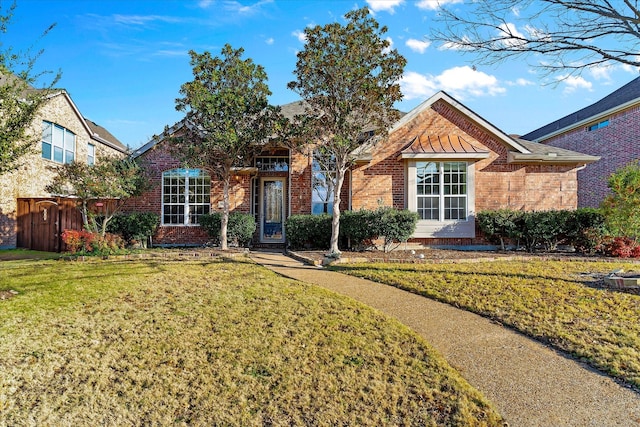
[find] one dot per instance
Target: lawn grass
(553, 301)
(210, 342)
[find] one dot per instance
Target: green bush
(586, 229)
(393, 225)
(582, 228)
(308, 231)
(358, 228)
(135, 226)
(240, 228)
(499, 226)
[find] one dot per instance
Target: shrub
(308, 231)
(78, 240)
(108, 244)
(358, 228)
(135, 226)
(499, 226)
(621, 247)
(240, 228)
(394, 225)
(82, 241)
(585, 229)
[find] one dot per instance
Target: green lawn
(210, 342)
(554, 301)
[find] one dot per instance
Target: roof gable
(619, 99)
(106, 139)
(443, 96)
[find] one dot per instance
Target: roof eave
(590, 119)
(532, 158)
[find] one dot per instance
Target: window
(91, 154)
(441, 190)
(323, 183)
(58, 143)
(186, 196)
(599, 125)
(272, 163)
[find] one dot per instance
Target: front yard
(210, 342)
(563, 303)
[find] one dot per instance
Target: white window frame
(441, 227)
(59, 141)
(186, 196)
(91, 154)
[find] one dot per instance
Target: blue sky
(123, 61)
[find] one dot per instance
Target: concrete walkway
(530, 384)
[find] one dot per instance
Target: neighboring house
(29, 216)
(441, 160)
(609, 128)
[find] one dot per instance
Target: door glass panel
(272, 210)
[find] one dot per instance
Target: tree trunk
(225, 213)
(334, 251)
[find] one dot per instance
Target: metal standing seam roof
(440, 144)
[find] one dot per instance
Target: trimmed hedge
(358, 229)
(240, 228)
(583, 228)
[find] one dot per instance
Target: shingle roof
(627, 93)
(101, 132)
(543, 153)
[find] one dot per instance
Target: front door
(272, 210)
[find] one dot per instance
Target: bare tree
(568, 36)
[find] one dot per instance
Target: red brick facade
(616, 144)
(496, 181)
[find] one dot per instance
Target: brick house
(441, 160)
(609, 128)
(29, 216)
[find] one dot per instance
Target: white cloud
(435, 4)
(573, 83)
(418, 45)
(521, 82)
(601, 72)
(386, 5)
(205, 3)
(416, 86)
(269, 41)
(237, 7)
(144, 19)
(460, 82)
(300, 35)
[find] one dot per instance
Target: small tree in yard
(111, 179)
(19, 101)
(228, 117)
(621, 208)
(348, 77)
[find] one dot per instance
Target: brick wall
(31, 179)
(498, 184)
(158, 160)
(616, 144)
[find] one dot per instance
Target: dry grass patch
(554, 301)
(211, 343)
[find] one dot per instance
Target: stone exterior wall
(616, 144)
(35, 174)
